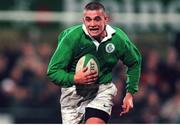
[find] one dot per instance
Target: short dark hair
(94, 6)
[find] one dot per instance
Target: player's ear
(83, 20)
(106, 17)
(83, 17)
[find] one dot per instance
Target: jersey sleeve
(57, 70)
(132, 59)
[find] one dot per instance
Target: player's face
(95, 22)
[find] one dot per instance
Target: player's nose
(92, 23)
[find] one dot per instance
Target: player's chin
(94, 35)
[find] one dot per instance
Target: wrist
(131, 91)
(129, 94)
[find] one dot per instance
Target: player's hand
(84, 77)
(127, 103)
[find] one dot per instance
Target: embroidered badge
(110, 48)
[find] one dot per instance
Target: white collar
(110, 31)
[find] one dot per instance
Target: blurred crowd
(26, 93)
(158, 98)
(29, 97)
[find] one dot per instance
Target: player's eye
(97, 18)
(88, 19)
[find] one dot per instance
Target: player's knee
(94, 120)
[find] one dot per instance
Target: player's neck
(101, 37)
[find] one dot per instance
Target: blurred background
(28, 37)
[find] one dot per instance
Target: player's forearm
(133, 76)
(56, 71)
(60, 77)
(58, 65)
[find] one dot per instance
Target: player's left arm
(132, 59)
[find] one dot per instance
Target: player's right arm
(58, 65)
(57, 70)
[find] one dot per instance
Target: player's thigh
(71, 116)
(101, 105)
(69, 108)
(104, 98)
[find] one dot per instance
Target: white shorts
(74, 103)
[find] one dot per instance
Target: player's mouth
(94, 29)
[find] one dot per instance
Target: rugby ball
(89, 61)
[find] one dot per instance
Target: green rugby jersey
(75, 42)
